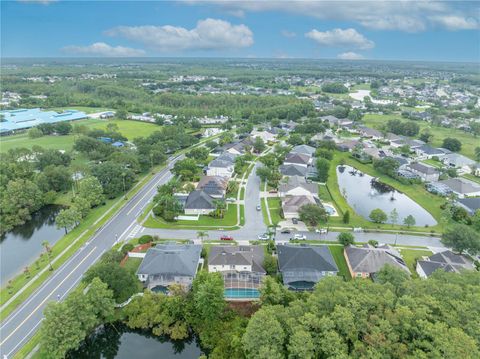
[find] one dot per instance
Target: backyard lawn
(229, 220)
(410, 256)
(337, 253)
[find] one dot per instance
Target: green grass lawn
(264, 212)
(275, 205)
(132, 264)
(469, 142)
(130, 129)
(337, 253)
(433, 163)
(87, 110)
(416, 192)
(471, 177)
(230, 219)
(410, 256)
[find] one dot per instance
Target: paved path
(18, 328)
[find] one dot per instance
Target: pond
(363, 196)
(23, 244)
(118, 341)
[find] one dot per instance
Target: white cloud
(350, 56)
(454, 22)
(209, 34)
(341, 38)
(288, 34)
(104, 50)
(41, 2)
(403, 15)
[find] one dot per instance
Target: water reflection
(23, 244)
(364, 194)
(118, 341)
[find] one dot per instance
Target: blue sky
(393, 30)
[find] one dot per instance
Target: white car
(321, 230)
(301, 237)
(263, 237)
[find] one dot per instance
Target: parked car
(263, 237)
(300, 237)
(358, 229)
(321, 230)
(231, 199)
(259, 208)
(286, 231)
(226, 238)
(273, 191)
(294, 221)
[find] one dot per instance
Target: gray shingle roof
(297, 158)
(218, 163)
(305, 149)
(420, 167)
(213, 185)
(461, 185)
(304, 263)
(199, 200)
(293, 170)
(472, 203)
(368, 259)
(237, 255)
(298, 181)
(171, 259)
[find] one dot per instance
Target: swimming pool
(239, 293)
(330, 209)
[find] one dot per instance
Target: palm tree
(202, 235)
(48, 250)
(220, 207)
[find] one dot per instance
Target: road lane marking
(24, 338)
(48, 296)
(148, 192)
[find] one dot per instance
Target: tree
(167, 207)
(392, 275)
(323, 166)
(258, 145)
(462, 238)
(63, 128)
(122, 282)
(346, 217)
(34, 133)
(452, 144)
(295, 139)
(378, 216)
(81, 205)
(48, 252)
(393, 216)
(202, 235)
(54, 178)
(334, 87)
(68, 219)
(387, 165)
(312, 214)
(409, 221)
(114, 178)
(198, 153)
(477, 153)
(426, 136)
(476, 220)
(91, 190)
(263, 173)
(270, 264)
(208, 292)
(186, 169)
(52, 158)
(346, 238)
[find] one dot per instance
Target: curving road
(19, 327)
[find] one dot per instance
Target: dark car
(294, 221)
(286, 231)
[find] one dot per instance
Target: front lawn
(275, 205)
(229, 220)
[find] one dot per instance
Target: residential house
(304, 266)
(368, 132)
(169, 263)
(438, 189)
(293, 170)
(199, 202)
(425, 172)
(299, 159)
(266, 136)
(349, 145)
(292, 204)
(446, 261)
(304, 149)
(459, 161)
(221, 167)
(426, 152)
(366, 261)
(241, 268)
(462, 187)
(215, 186)
(471, 204)
(297, 186)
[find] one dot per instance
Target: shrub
(145, 239)
(127, 248)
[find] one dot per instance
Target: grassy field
(433, 163)
(275, 205)
(469, 142)
(230, 219)
(130, 129)
(416, 192)
(337, 253)
(410, 256)
(87, 110)
(471, 177)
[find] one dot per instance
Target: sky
(350, 30)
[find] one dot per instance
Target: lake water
(22, 245)
(364, 197)
(119, 342)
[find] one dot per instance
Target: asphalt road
(18, 328)
(25, 320)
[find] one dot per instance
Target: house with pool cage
(242, 270)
